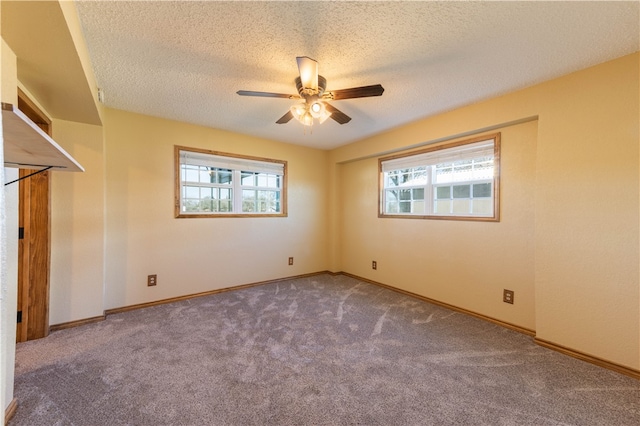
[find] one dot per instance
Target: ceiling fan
(311, 89)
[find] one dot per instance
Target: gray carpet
(319, 350)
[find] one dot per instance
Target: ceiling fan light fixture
(298, 110)
(307, 119)
(306, 112)
(317, 109)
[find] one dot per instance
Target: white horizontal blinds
(448, 155)
(232, 163)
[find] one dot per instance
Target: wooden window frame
(178, 185)
(429, 186)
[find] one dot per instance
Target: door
(34, 251)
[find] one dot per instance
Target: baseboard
(76, 323)
(504, 324)
(84, 321)
(206, 293)
(10, 410)
(549, 345)
(242, 286)
(588, 358)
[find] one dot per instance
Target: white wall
(9, 280)
(8, 238)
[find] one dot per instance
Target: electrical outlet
(152, 280)
(291, 261)
(507, 296)
(374, 264)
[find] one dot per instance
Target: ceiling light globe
(298, 110)
(317, 109)
(307, 119)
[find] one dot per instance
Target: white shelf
(26, 146)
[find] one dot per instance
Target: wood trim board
(77, 323)
(205, 293)
(588, 358)
(549, 345)
(10, 410)
(504, 324)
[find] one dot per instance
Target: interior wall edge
(206, 293)
(627, 371)
(600, 362)
(84, 321)
(76, 323)
(501, 323)
(70, 13)
(464, 134)
(107, 312)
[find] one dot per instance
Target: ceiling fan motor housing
(306, 92)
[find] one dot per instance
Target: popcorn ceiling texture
(185, 60)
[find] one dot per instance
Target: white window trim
(471, 148)
(237, 164)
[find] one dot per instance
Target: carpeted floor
(325, 350)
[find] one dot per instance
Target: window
(459, 180)
(215, 184)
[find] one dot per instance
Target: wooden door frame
(34, 245)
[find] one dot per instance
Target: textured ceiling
(185, 60)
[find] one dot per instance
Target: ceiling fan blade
(266, 94)
(285, 118)
(337, 115)
(355, 92)
(308, 69)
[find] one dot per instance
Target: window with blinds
(215, 184)
(453, 181)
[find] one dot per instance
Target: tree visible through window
(458, 181)
(213, 184)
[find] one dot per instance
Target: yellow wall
(587, 285)
(567, 242)
(568, 239)
(196, 255)
(9, 75)
(463, 263)
(77, 226)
